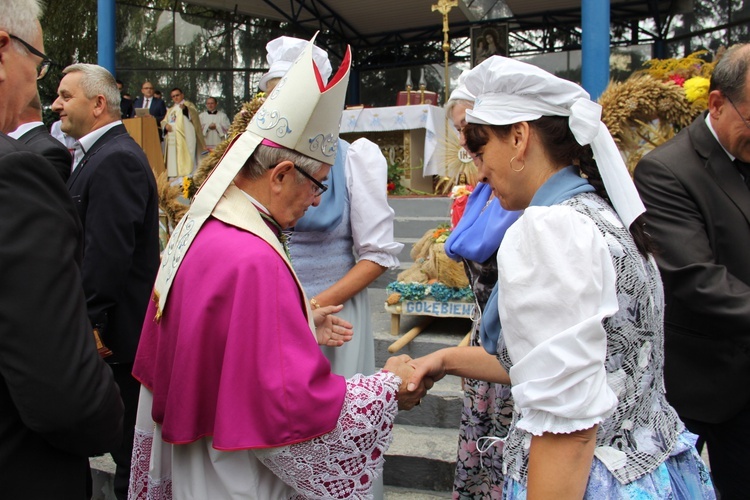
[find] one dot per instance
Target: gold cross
(444, 7)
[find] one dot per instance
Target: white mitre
(308, 126)
(302, 114)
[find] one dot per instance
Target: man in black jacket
(33, 133)
(696, 189)
(114, 191)
(58, 400)
(126, 103)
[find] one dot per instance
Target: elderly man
(115, 193)
(183, 136)
(215, 123)
(58, 400)
(33, 132)
(696, 189)
(232, 376)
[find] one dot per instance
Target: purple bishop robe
(233, 356)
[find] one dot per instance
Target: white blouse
(556, 285)
(371, 217)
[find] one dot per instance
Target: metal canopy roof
(371, 23)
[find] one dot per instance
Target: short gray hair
(97, 80)
(266, 157)
(19, 18)
(730, 72)
(455, 102)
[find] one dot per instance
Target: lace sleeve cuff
(344, 462)
(385, 259)
(538, 422)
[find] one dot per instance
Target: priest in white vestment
(183, 136)
(214, 123)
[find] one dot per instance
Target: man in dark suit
(33, 132)
(58, 400)
(126, 103)
(114, 190)
(698, 212)
(156, 107)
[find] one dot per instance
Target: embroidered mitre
(308, 125)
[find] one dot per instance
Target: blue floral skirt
(683, 476)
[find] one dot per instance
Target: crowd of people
(186, 133)
(608, 348)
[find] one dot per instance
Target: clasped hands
(417, 375)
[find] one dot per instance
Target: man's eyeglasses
(43, 68)
(175, 96)
(318, 187)
(738, 111)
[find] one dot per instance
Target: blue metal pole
(595, 46)
(106, 34)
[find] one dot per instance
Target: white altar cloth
(430, 118)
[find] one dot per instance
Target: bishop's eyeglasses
(318, 187)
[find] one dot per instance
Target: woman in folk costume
(237, 401)
(352, 227)
(580, 302)
(487, 407)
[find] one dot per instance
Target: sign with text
(433, 308)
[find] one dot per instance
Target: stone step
(440, 408)
(416, 227)
(442, 332)
(422, 458)
(420, 206)
(396, 493)
(102, 475)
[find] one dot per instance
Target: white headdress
(460, 92)
(510, 91)
(281, 54)
(302, 114)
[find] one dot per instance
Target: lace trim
(343, 463)
(381, 258)
(539, 422)
(142, 485)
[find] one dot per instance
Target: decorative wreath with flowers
(652, 105)
(433, 273)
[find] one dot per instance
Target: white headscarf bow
(510, 91)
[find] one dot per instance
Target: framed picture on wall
(488, 40)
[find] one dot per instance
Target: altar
(413, 135)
